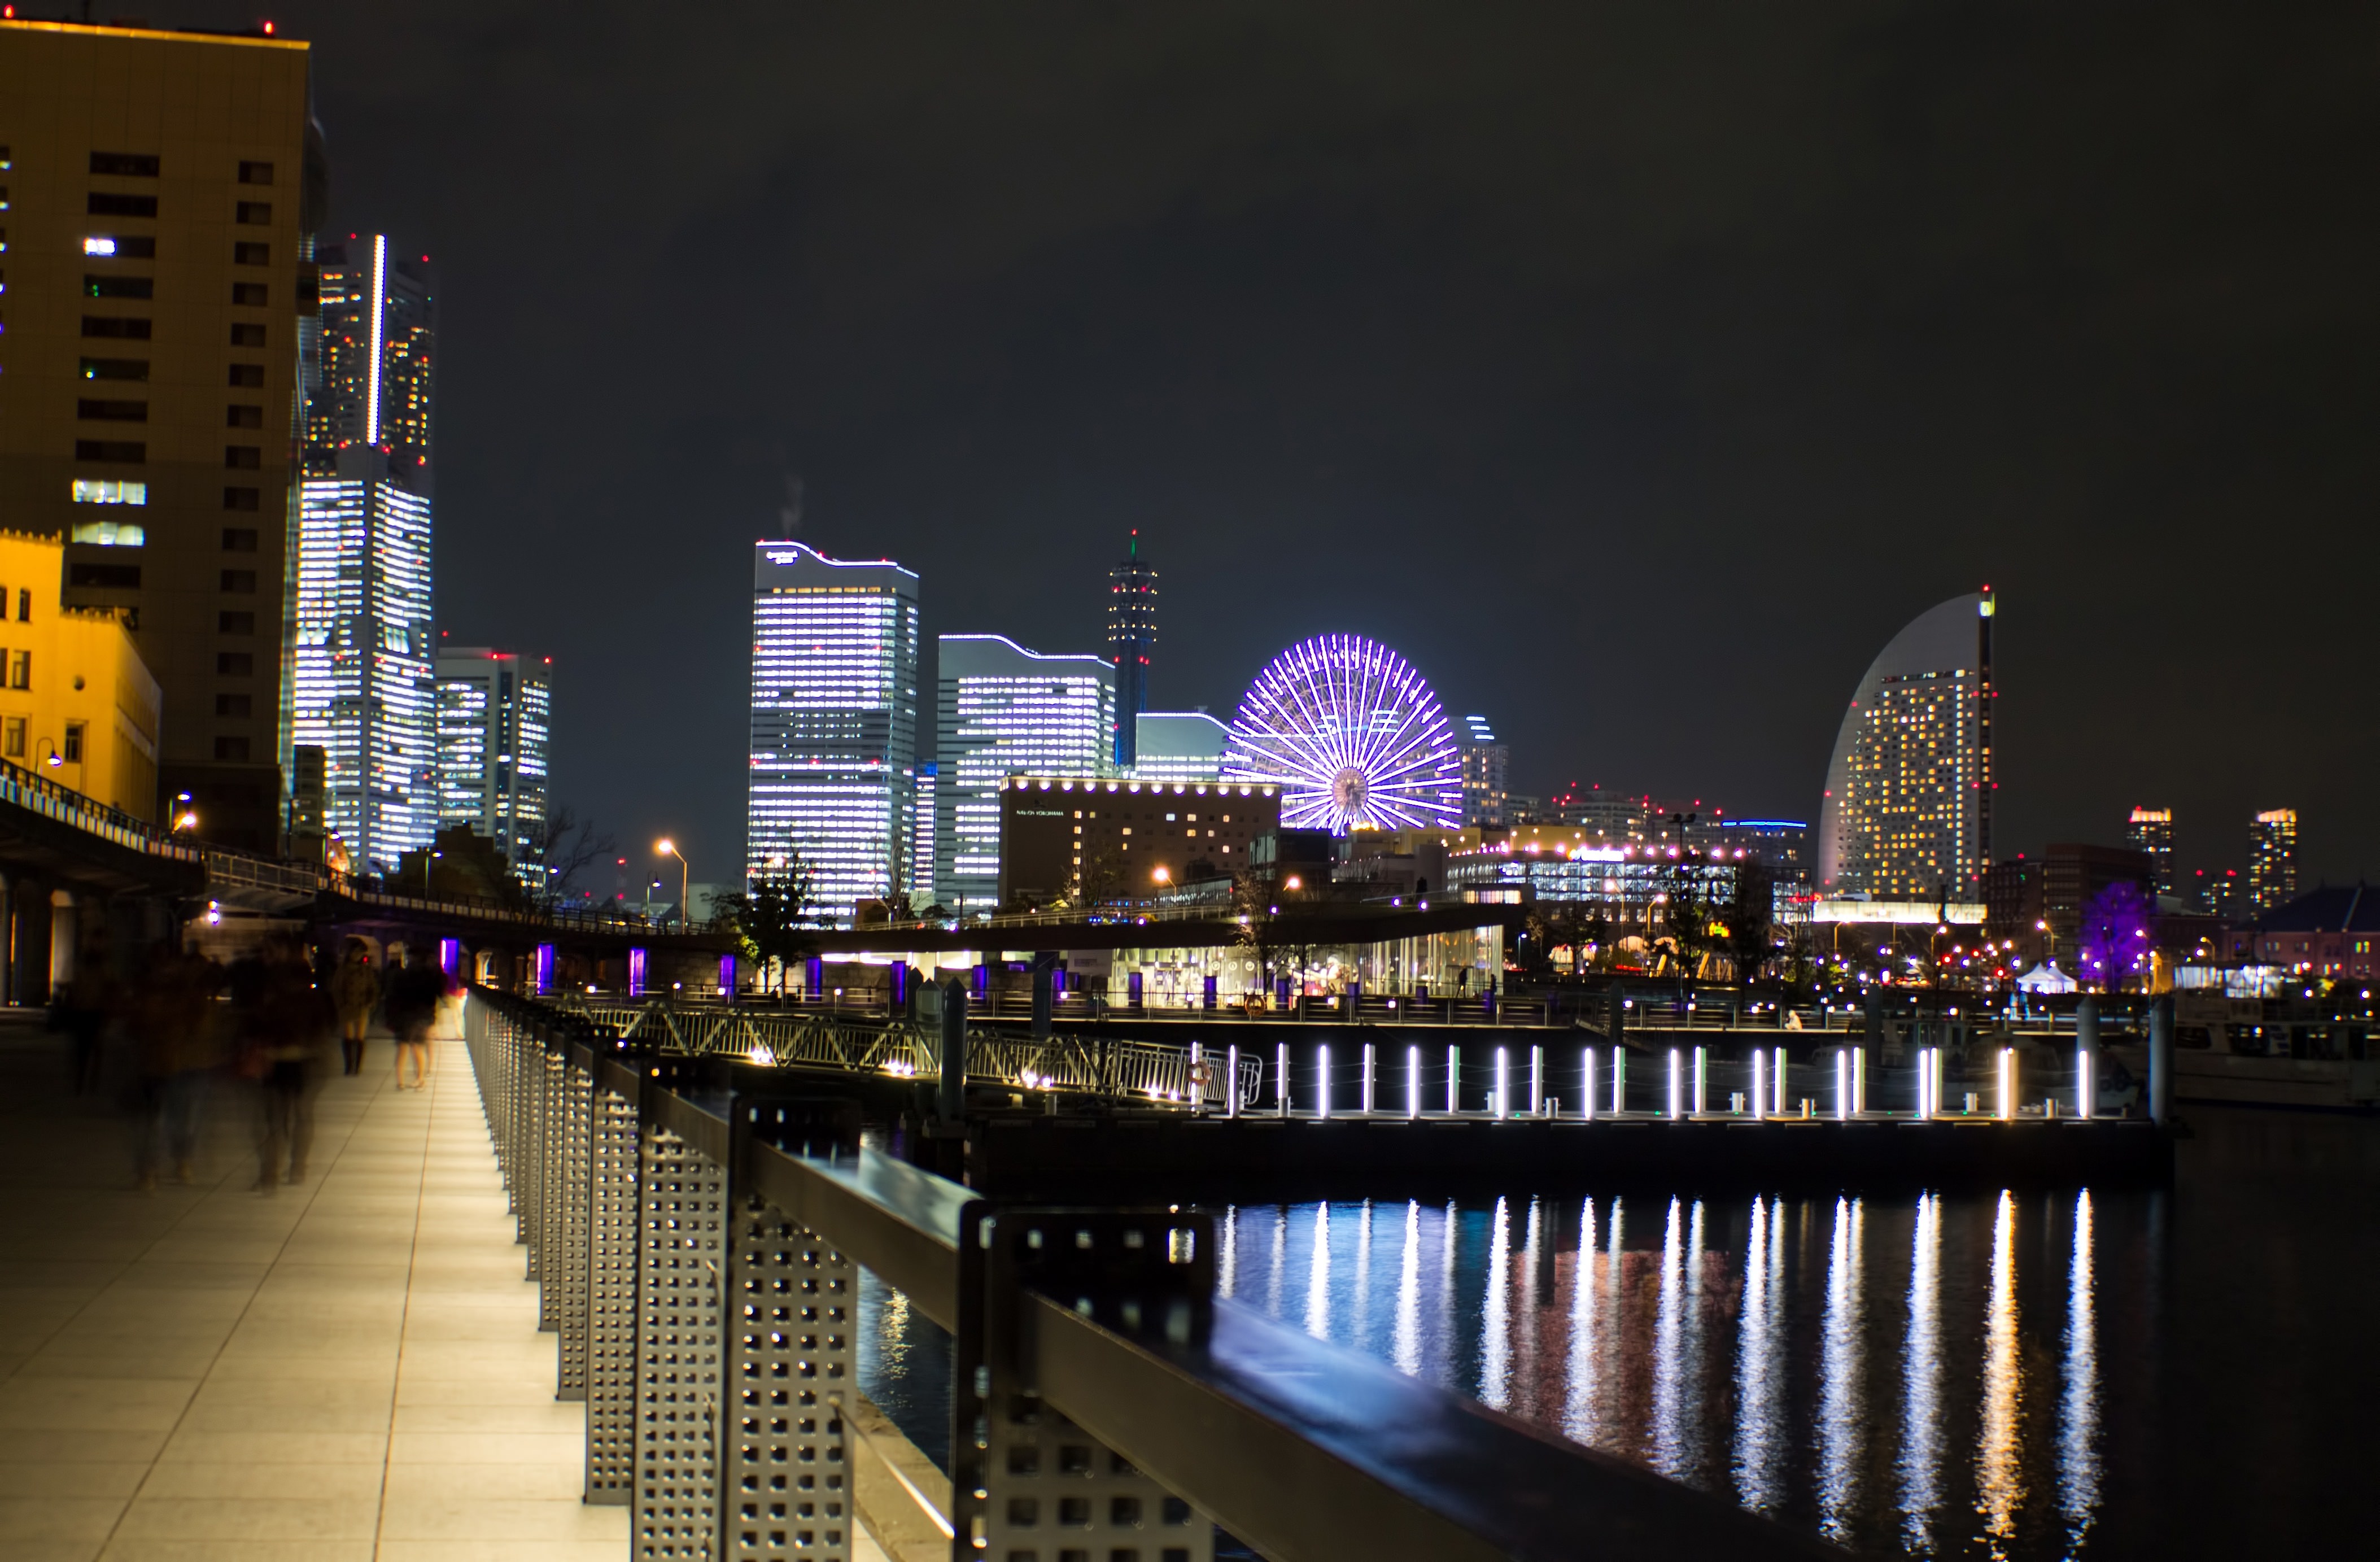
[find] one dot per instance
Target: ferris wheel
(1354, 738)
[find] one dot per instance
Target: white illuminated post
(1537, 1081)
(1759, 1082)
(1453, 1080)
(1843, 1085)
(1618, 1080)
(1367, 1078)
(1779, 1083)
(2008, 1083)
(1702, 1081)
(1587, 1091)
(1322, 1081)
(1232, 1081)
(1281, 1079)
(2085, 1087)
(1859, 1080)
(1412, 1082)
(1503, 1070)
(1677, 1084)
(1197, 1091)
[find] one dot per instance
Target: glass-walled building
(1004, 711)
(496, 724)
(1183, 746)
(834, 722)
(363, 684)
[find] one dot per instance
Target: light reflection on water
(1819, 1359)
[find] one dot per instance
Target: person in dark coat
(410, 999)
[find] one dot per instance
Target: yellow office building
(78, 705)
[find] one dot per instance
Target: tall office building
(1907, 814)
(2150, 832)
(2272, 859)
(495, 729)
(1132, 634)
(157, 188)
(1003, 710)
(1177, 746)
(834, 722)
(1486, 786)
(921, 832)
(363, 688)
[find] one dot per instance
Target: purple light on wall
(545, 968)
(726, 973)
(450, 954)
(635, 973)
(817, 977)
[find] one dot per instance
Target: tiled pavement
(345, 1369)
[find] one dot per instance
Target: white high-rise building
(1178, 746)
(1487, 784)
(362, 686)
(495, 727)
(1002, 711)
(834, 722)
(921, 859)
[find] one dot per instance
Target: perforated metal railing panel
(612, 1213)
(1058, 1492)
(680, 1296)
(571, 1247)
(790, 1364)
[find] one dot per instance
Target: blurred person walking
(289, 1025)
(413, 991)
(178, 1045)
(354, 992)
(80, 1011)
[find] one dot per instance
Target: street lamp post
(425, 872)
(668, 848)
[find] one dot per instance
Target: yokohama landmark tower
(1132, 634)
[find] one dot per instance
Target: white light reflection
(1580, 1421)
(1841, 1363)
(1280, 1259)
(1496, 1338)
(1408, 1342)
(1668, 1451)
(1362, 1327)
(1921, 1392)
(1999, 1474)
(1759, 1373)
(1226, 1278)
(2078, 1437)
(1317, 1282)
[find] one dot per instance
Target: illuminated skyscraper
(2273, 859)
(1906, 814)
(1131, 635)
(1001, 711)
(834, 722)
(2150, 832)
(1177, 746)
(362, 686)
(1486, 781)
(921, 832)
(495, 725)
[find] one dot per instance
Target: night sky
(1637, 371)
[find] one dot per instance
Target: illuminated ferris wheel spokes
(1352, 736)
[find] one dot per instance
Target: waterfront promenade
(345, 1369)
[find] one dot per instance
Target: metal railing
(697, 1252)
(38, 794)
(1114, 1066)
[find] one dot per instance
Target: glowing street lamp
(667, 848)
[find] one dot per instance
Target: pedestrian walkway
(345, 1369)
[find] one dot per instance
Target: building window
(130, 451)
(14, 743)
(239, 498)
(109, 491)
(115, 368)
(124, 165)
(119, 325)
(251, 254)
(244, 458)
(71, 749)
(232, 750)
(123, 246)
(104, 205)
(255, 172)
(240, 416)
(21, 669)
(247, 377)
(254, 213)
(232, 705)
(248, 335)
(119, 286)
(248, 295)
(112, 411)
(239, 581)
(235, 664)
(110, 534)
(104, 577)
(231, 623)
(239, 539)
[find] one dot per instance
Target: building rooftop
(2332, 908)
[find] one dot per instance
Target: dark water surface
(2190, 1372)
